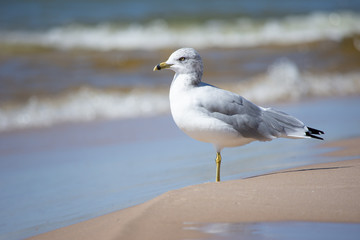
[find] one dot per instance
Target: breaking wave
(282, 82)
(159, 34)
(84, 104)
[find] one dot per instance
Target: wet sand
(326, 192)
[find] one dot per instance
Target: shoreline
(324, 192)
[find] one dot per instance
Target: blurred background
(79, 60)
(85, 125)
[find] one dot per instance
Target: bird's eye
(181, 59)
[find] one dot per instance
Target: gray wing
(250, 120)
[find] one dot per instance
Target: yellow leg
(218, 162)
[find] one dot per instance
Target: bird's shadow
(300, 170)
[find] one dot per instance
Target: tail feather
(284, 125)
(312, 132)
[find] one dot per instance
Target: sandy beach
(326, 192)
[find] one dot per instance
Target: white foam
(158, 34)
(284, 82)
(84, 104)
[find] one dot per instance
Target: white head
(183, 61)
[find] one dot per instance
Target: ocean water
(84, 121)
(71, 61)
(280, 230)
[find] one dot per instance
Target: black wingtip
(313, 132)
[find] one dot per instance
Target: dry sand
(325, 192)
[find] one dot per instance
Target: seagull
(223, 118)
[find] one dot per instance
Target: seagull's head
(183, 61)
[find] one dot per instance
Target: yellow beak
(162, 65)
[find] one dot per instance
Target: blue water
(40, 14)
(281, 231)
